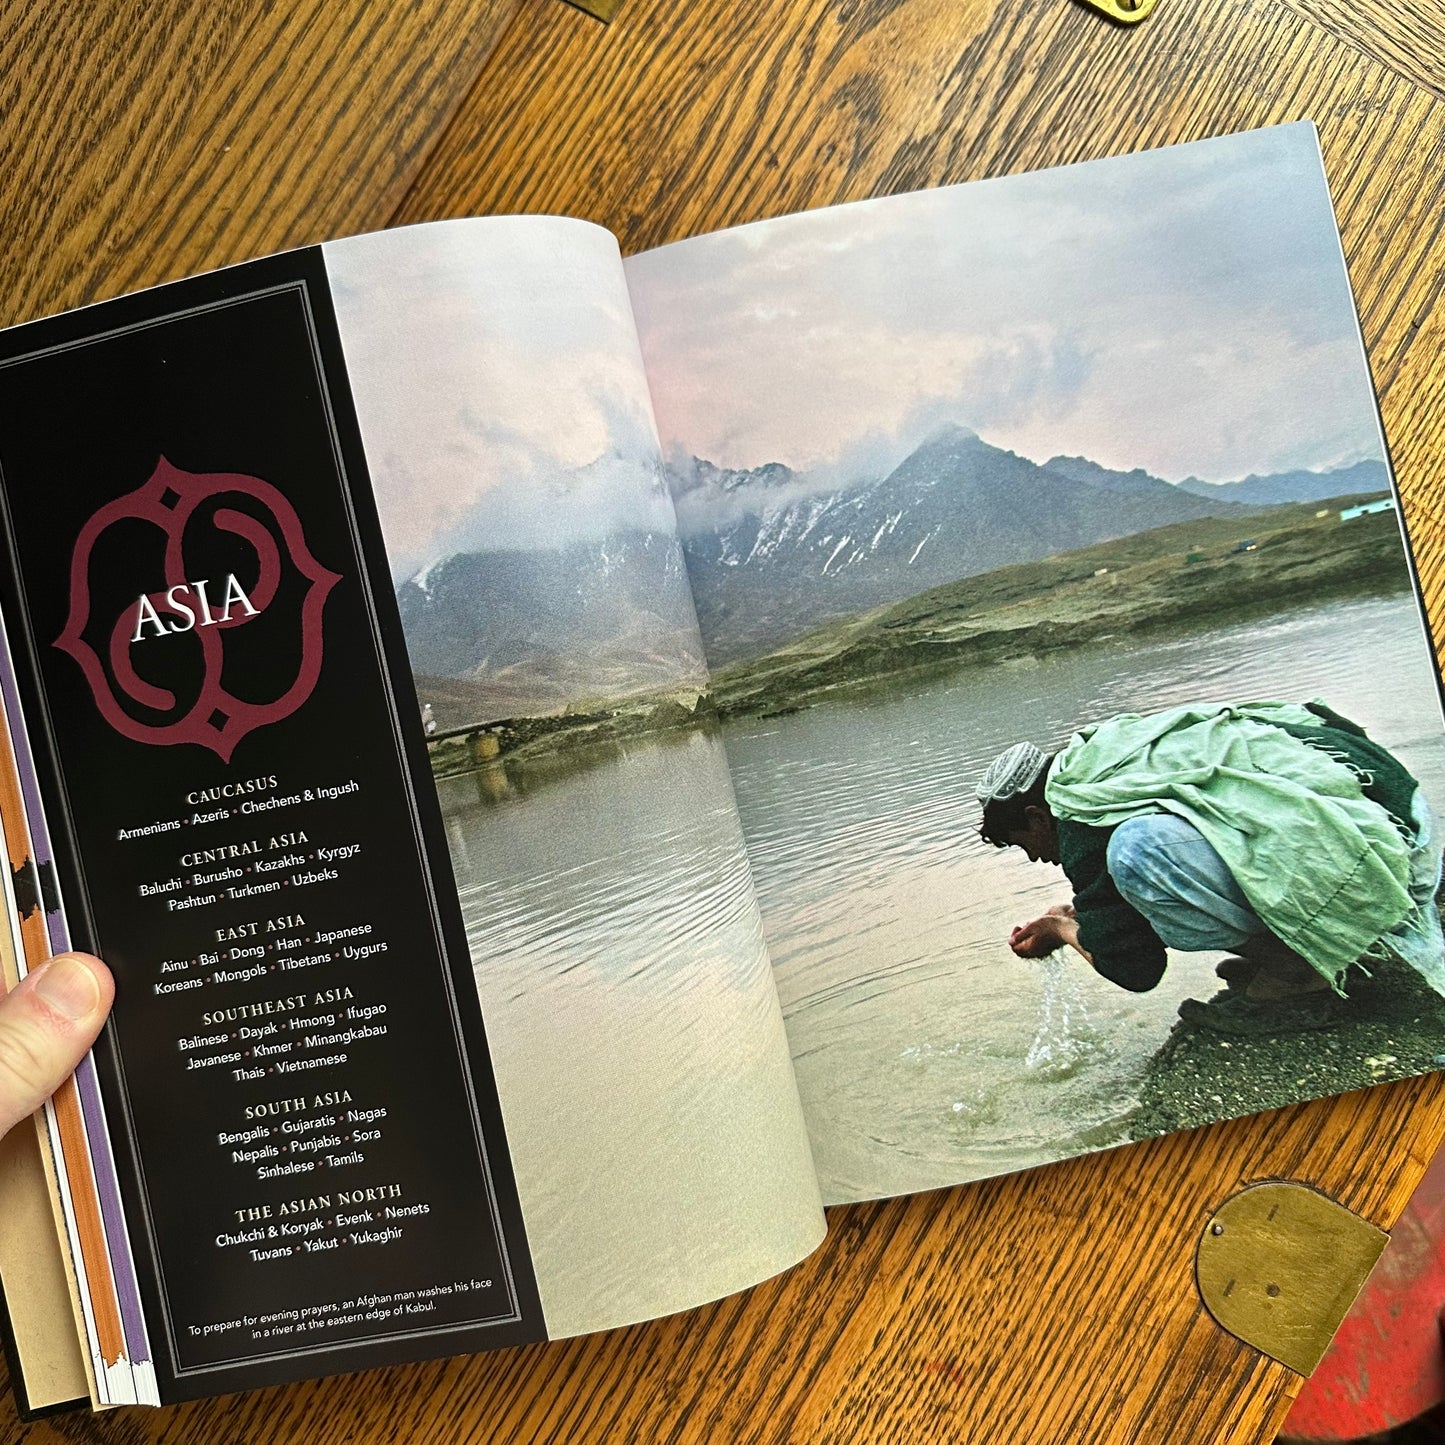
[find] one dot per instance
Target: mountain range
(769, 559)
(521, 632)
(1281, 487)
(769, 556)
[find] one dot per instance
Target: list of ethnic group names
(283, 993)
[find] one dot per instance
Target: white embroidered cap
(1011, 773)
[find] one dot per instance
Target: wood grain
(1057, 1305)
(1406, 35)
(599, 9)
(1051, 1308)
(144, 142)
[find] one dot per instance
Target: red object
(1386, 1366)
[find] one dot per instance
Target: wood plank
(1006, 1311)
(1406, 35)
(603, 10)
(145, 142)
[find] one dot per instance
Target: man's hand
(46, 1025)
(1037, 938)
(1043, 936)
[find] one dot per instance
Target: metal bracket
(1126, 12)
(1279, 1265)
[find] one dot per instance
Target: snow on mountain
(777, 561)
(513, 621)
(595, 618)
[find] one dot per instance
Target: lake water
(619, 956)
(639, 1051)
(926, 1053)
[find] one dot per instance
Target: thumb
(46, 1024)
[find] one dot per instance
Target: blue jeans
(1165, 868)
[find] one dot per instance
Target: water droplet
(1060, 1043)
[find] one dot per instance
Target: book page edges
(40, 1290)
(42, 1294)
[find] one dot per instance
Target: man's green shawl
(1323, 866)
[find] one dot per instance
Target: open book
(518, 723)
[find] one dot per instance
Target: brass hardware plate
(1126, 12)
(604, 10)
(1279, 1265)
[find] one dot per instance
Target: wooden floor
(143, 142)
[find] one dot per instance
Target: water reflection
(640, 1058)
(513, 776)
(911, 1023)
(926, 1053)
(492, 783)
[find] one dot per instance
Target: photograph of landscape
(727, 572)
(990, 464)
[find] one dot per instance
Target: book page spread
(575, 763)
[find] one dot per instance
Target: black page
(198, 433)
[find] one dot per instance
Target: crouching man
(1278, 832)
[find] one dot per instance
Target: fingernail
(68, 987)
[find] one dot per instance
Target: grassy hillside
(1178, 577)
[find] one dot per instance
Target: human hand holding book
(46, 1025)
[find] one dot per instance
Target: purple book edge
(87, 1082)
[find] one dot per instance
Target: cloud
(1184, 310)
(498, 384)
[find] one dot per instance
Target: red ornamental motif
(216, 719)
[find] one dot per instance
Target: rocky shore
(1392, 1026)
